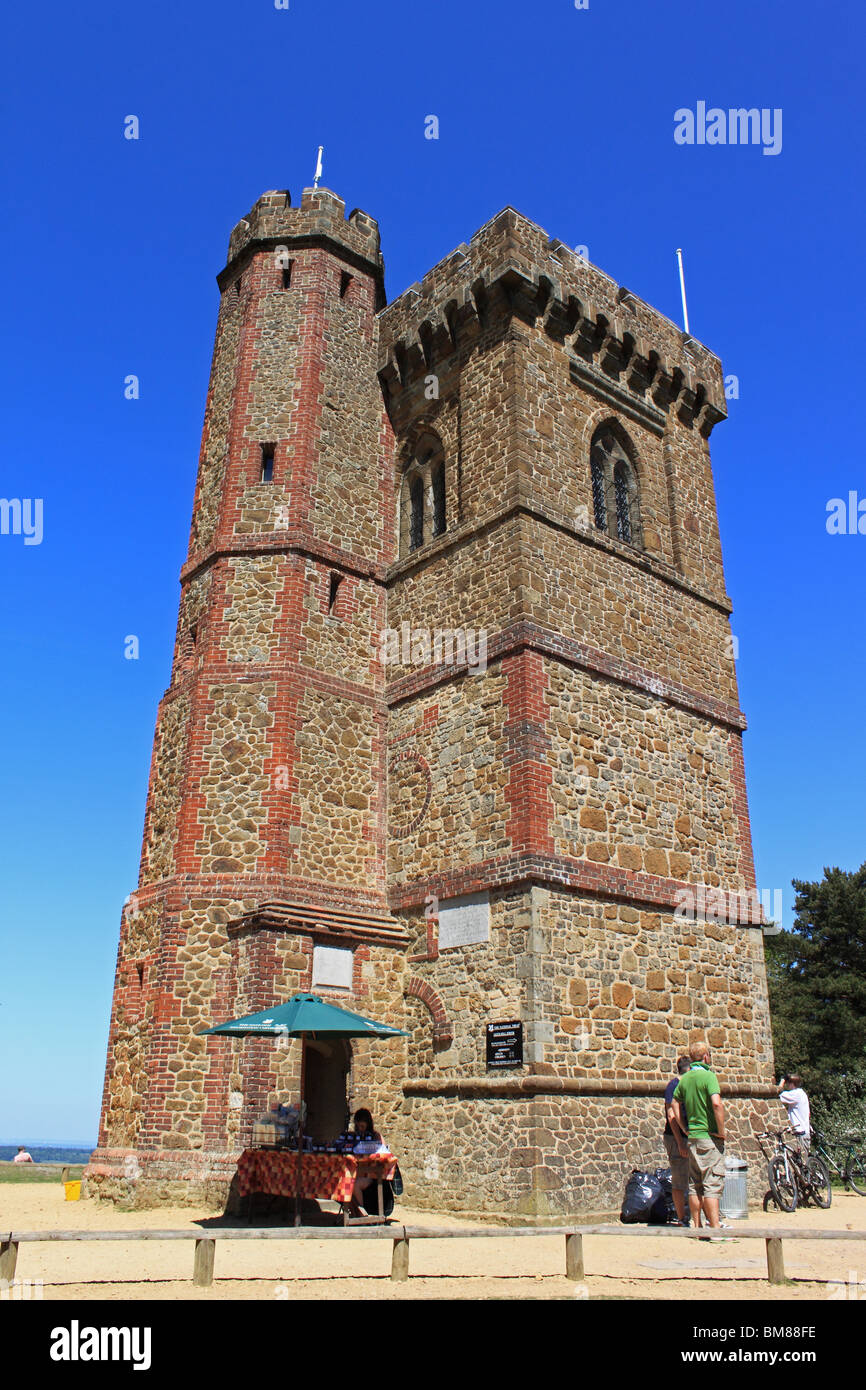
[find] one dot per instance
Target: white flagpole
(683, 290)
(318, 173)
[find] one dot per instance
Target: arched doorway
(326, 1082)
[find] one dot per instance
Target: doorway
(326, 1083)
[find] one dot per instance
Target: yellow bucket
(73, 1191)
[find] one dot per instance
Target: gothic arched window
(423, 495)
(615, 495)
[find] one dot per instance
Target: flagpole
(318, 173)
(683, 290)
(300, 1133)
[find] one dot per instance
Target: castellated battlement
(321, 219)
(511, 266)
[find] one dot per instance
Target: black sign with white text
(504, 1045)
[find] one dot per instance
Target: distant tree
(816, 974)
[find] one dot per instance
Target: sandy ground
(490, 1268)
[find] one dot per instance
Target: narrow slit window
(287, 275)
(439, 518)
(345, 282)
(333, 591)
(267, 475)
(599, 506)
(416, 527)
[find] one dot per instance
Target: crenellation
(513, 261)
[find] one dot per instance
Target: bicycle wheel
(855, 1173)
(783, 1185)
(817, 1176)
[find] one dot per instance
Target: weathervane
(318, 173)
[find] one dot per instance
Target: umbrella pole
(300, 1134)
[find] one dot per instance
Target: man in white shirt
(796, 1102)
(22, 1155)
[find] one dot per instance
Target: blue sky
(111, 251)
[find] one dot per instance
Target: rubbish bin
(734, 1205)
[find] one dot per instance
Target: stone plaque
(504, 1045)
(464, 921)
(332, 965)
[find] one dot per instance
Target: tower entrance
(326, 1084)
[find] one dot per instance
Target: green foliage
(844, 1112)
(816, 974)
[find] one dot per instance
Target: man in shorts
(675, 1146)
(699, 1095)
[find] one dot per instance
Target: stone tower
(453, 733)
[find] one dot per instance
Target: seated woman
(364, 1129)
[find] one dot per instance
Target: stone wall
(638, 782)
(549, 1156)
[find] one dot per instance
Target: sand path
(649, 1267)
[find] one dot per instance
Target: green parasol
(304, 1016)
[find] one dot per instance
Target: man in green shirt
(699, 1095)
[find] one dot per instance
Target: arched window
(423, 496)
(615, 495)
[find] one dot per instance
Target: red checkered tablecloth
(330, 1177)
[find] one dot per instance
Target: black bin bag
(642, 1191)
(663, 1212)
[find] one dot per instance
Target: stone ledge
(494, 1087)
(561, 871)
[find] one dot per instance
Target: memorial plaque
(332, 965)
(464, 921)
(504, 1045)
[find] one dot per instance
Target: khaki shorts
(706, 1167)
(679, 1166)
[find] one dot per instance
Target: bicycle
(794, 1176)
(852, 1170)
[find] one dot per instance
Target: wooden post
(202, 1273)
(64, 1173)
(574, 1257)
(775, 1260)
(8, 1259)
(400, 1261)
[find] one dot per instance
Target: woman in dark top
(364, 1129)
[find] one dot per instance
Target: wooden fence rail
(205, 1242)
